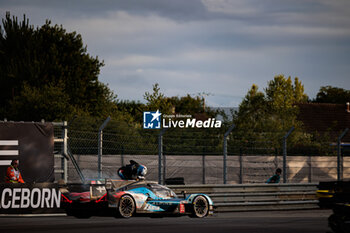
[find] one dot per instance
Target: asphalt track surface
(242, 222)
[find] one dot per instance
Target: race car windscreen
(163, 192)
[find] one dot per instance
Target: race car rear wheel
(126, 206)
(200, 207)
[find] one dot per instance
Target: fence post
(225, 152)
(164, 162)
(100, 139)
(285, 154)
(65, 151)
(122, 156)
(240, 165)
(203, 166)
(276, 159)
(339, 161)
(310, 168)
(160, 156)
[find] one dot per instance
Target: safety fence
(209, 169)
(90, 150)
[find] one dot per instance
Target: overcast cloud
(220, 47)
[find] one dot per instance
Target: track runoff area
(305, 221)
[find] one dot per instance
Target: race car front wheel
(200, 207)
(126, 206)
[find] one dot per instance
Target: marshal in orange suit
(13, 175)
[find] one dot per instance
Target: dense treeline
(46, 73)
(335, 95)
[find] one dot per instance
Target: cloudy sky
(220, 47)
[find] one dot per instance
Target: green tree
(264, 117)
(274, 109)
(157, 100)
(36, 61)
(282, 97)
(252, 111)
(335, 95)
(192, 105)
(133, 109)
(188, 104)
(49, 101)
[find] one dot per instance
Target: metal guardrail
(253, 197)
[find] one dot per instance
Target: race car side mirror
(184, 194)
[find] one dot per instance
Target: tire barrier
(254, 197)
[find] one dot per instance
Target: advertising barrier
(41, 198)
(32, 144)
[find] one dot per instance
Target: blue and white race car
(127, 198)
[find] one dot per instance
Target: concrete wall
(256, 169)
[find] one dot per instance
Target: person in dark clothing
(275, 179)
(132, 171)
